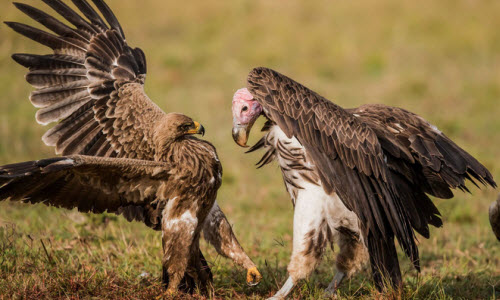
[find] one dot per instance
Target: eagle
(358, 177)
(494, 214)
(120, 152)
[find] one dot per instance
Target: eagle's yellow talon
(253, 276)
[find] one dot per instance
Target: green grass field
(439, 59)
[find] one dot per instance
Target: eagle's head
(175, 126)
(245, 111)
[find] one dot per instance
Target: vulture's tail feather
(384, 262)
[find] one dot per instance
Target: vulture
(494, 213)
(120, 152)
(358, 177)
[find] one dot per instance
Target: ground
(439, 59)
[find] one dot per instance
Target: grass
(440, 59)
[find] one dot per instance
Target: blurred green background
(439, 59)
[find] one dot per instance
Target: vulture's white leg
(310, 235)
(285, 290)
(179, 234)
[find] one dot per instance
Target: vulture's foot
(284, 291)
(331, 290)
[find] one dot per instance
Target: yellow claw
(253, 276)
(171, 293)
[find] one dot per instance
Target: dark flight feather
(58, 44)
(380, 160)
(92, 86)
(52, 181)
(92, 64)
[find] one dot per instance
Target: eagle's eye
(186, 126)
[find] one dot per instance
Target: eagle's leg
(219, 233)
(205, 274)
(352, 255)
(188, 284)
(179, 233)
(164, 277)
(198, 273)
(310, 237)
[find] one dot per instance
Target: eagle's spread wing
(135, 188)
(357, 161)
(92, 84)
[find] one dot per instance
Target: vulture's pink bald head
(245, 111)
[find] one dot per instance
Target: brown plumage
(381, 161)
(494, 213)
(122, 153)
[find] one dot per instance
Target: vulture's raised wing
(420, 152)
(377, 175)
(422, 160)
(92, 84)
(137, 189)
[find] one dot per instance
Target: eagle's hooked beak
(240, 134)
(198, 129)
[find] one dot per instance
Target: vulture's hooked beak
(198, 129)
(245, 111)
(240, 134)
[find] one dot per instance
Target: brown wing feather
(423, 154)
(494, 214)
(135, 188)
(348, 157)
(380, 160)
(319, 121)
(92, 84)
